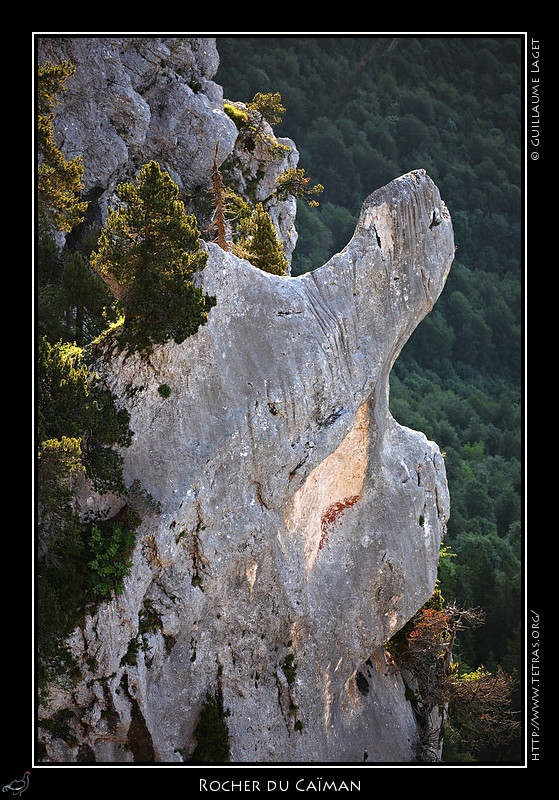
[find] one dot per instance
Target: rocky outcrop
(299, 523)
(134, 99)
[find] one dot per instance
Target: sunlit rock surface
(298, 518)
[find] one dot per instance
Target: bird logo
(17, 787)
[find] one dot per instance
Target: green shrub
(289, 668)
(111, 550)
(212, 734)
(238, 116)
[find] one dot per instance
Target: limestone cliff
(134, 99)
(299, 524)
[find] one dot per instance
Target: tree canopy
(148, 253)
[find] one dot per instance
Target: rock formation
(299, 524)
(134, 99)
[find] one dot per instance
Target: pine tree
(262, 246)
(79, 429)
(295, 182)
(148, 253)
(268, 106)
(59, 180)
(265, 108)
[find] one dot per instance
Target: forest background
(362, 111)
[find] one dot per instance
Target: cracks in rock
(298, 466)
(85, 755)
(440, 510)
(362, 683)
(259, 495)
(287, 706)
(438, 504)
(332, 417)
(435, 219)
(198, 564)
(285, 677)
(259, 489)
(426, 286)
(274, 410)
(149, 549)
(189, 540)
(334, 331)
(149, 622)
(109, 714)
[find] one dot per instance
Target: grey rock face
(300, 524)
(136, 99)
(133, 99)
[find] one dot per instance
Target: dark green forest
(362, 111)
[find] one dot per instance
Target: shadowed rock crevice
(139, 739)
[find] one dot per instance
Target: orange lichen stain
(332, 516)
